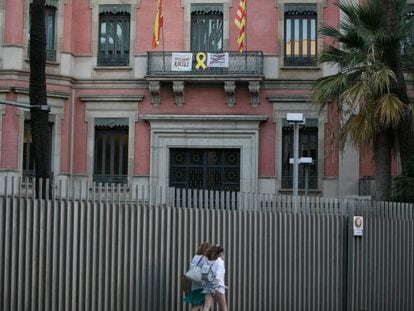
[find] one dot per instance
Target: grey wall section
(78, 254)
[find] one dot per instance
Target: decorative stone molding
(205, 131)
(254, 88)
(229, 89)
(178, 88)
(154, 88)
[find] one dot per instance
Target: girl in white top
(215, 290)
(196, 297)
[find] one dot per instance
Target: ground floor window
(308, 147)
(111, 154)
(208, 169)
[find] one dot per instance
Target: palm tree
(361, 90)
(400, 27)
(38, 98)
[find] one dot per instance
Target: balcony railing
(248, 63)
(110, 179)
(113, 60)
(300, 61)
(287, 182)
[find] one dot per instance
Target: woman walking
(196, 297)
(215, 289)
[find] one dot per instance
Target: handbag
(206, 273)
(194, 273)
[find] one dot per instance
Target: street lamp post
(296, 119)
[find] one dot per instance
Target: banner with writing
(181, 61)
(217, 59)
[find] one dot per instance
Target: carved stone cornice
(254, 90)
(178, 89)
(154, 88)
(229, 90)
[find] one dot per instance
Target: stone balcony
(242, 69)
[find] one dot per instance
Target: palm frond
(381, 80)
(390, 110)
(357, 93)
(328, 89)
(362, 127)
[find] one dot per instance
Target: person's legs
(221, 299)
(208, 300)
(195, 307)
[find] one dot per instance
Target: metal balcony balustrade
(113, 60)
(248, 64)
(301, 61)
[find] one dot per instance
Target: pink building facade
(126, 113)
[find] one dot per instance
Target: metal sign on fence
(358, 225)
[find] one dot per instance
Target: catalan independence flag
(158, 23)
(240, 22)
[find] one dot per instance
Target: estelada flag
(240, 22)
(158, 23)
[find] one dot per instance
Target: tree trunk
(392, 58)
(38, 98)
(382, 151)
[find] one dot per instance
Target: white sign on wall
(181, 61)
(217, 59)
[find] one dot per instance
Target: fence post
(349, 205)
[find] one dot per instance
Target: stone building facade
(120, 111)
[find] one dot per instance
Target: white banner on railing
(181, 61)
(217, 59)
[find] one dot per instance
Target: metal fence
(112, 252)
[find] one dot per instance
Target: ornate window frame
(205, 131)
(283, 105)
(101, 106)
(186, 4)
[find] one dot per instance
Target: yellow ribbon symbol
(201, 58)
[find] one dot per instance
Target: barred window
(308, 147)
(207, 29)
(111, 153)
(300, 35)
(50, 27)
(114, 39)
(207, 169)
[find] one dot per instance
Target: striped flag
(240, 22)
(158, 23)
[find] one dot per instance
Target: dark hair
(203, 248)
(214, 252)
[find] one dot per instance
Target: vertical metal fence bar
(49, 237)
(22, 249)
(62, 252)
(14, 249)
(55, 254)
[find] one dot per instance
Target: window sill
(296, 68)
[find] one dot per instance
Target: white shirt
(219, 270)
